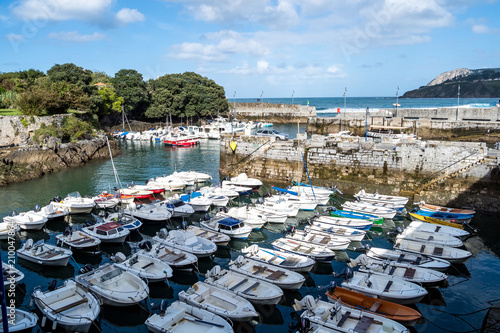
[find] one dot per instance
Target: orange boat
(403, 314)
(441, 209)
(124, 197)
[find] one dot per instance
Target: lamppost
(261, 104)
(345, 92)
(458, 100)
(366, 124)
(397, 104)
(234, 100)
(293, 92)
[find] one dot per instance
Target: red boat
(182, 140)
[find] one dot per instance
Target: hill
(476, 83)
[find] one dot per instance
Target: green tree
(161, 101)
(70, 73)
(130, 85)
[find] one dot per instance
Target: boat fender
(399, 230)
(54, 325)
(118, 257)
(44, 320)
(214, 271)
(163, 306)
(145, 245)
(37, 208)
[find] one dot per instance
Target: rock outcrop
(450, 75)
(20, 164)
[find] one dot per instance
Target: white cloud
(480, 26)
(127, 15)
(61, 10)
(15, 37)
(74, 36)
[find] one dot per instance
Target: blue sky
(314, 48)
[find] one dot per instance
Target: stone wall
(17, 130)
(279, 113)
(352, 164)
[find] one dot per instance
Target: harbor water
(471, 285)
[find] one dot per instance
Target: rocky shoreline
(25, 163)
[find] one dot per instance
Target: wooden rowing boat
(355, 300)
(417, 217)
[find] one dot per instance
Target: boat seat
(325, 240)
(147, 265)
(309, 250)
(410, 273)
(344, 318)
(388, 286)
(363, 324)
(437, 229)
(375, 306)
(172, 257)
(71, 305)
(393, 268)
(233, 288)
(276, 275)
(110, 275)
(251, 287)
(419, 259)
(48, 255)
(438, 251)
(401, 257)
(81, 241)
(290, 262)
(201, 234)
(430, 238)
(273, 258)
(259, 269)
(422, 248)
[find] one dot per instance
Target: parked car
(272, 133)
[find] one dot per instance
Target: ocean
(327, 106)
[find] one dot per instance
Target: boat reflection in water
(269, 315)
(123, 316)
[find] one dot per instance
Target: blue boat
(460, 218)
(353, 215)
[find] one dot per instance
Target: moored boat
(450, 254)
(175, 258)
(320, 253)
(219, 301)
(78, 240)
(44, 254)
(360, 224)
(449, 217)
(149, 268)
(350, 233)
(339, 213)
(74, 203)
(438, 229)
(218, 238)
(362, 195)
(27, 220)
(186, 241)
(414, 259)
(318, 238)
(435, 208)
(428, 237)
(428, 219)
(69, 306)
(254, 290)
(277, 258)
(19, 320)
(234, 228)
(108, 232)
(362, 208)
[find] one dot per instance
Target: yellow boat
(417, 217)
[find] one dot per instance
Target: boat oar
(204, 322)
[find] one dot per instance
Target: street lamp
(293, 92)
(397, 104)
(234, 100)
(261, 104)
(458, 100)
(345, 92)
(366, 124)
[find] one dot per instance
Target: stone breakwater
(20, 164)
(278, 113)
(464, 174)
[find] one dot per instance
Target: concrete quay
(278, 113)
(441, 172)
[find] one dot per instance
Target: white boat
(243, 180)
(177, 207)
(252, 289)
(279, 206)
(218, 238)
(27, 220)
(75, 204)
(104, 202)
(343, 222)
(69, 307)
(375, 197)
(136, 193)
(180, 317)
(107, 232)
(44, 254)
(241, 190)
(357, 207)
(336, 317)
(428, 237)
(438, 229)
(114, 286)
(272, 215)
(283, 278)
(350, 233)
(51, 212)
(20, 320)
(332, 242)
(78, 240)
(386, 287)
(148, 212)
(316, 252)
(451, 254)
(420, 275)
(399, 256)
(8, 229)
(193, 176)
(126, 220)
(398, 207)
(175, 258)
(156, 189)
(277, 258)
(250, 217)
(219, 301)
(301, 202)
(186, 241)
(11, 275)
(312, 191)
(230, 226)
(146, 267)
(197, 201)
(170, 183)
(218, 200)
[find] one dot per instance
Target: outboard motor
(163, 306)
(52, 285)
(86, 268)
(332, 286)
(37, 208)
(88, 223)
(146, 245)
(13, 213)
(260, 200)
(184, 225)
(57, 199)
(223, 209)
(206, 217)
(103, 214)
(305, 325)
(68, 231)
